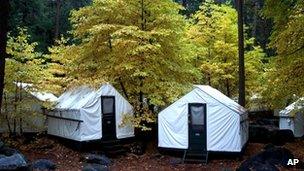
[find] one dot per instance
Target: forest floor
(67, 159)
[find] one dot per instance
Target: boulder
(95, 167)
(1, 144)
(43, 164)
(256, 164)
(283, 136)
(259, 133)
(267, 159)
(175, 161)
(269, 134)
(13, 162)
(97, 159)
(277, 155)
(7, 151)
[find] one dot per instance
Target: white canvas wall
(292, 118)
(86, 104)
(295, 124)
(65, 128)
(224, 131)
(299, 125)
(286, 123)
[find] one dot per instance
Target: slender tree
(24, 69)
(4, 13)
(241, 53)
(57, 18)
(285, 78)
(214, 33)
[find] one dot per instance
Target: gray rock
(267, 159)
(1, 144)
(13, 162)
(175, 161)
(95, 167)
(97, 159)
(43, 164)
(8, 151)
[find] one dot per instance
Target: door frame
(114, 113)
(205, 123)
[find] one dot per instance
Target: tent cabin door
(108, 117)
(197, 126)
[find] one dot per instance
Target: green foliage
(190, 6)
(58, 66)
(139, 46)
(136, 43)
(259, 27)
(140, 119)
(214, 32)
(286, 77)
(24, 66)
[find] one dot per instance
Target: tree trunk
(15, 107)
(184, 3)
(150, 106)
(123, 89)
(228, 88)
(141, 79)
(14, 124)
(8, 125)
(6, 117)
(241, 53)
(141, 102)
(57, 19)
(20, 126)
(4, 13)
(209, 79)
(20, 120)
(255, 19)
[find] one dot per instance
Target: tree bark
(228, 87)
(123, 89)
(241, 99)
(141, 79)
(255, 19)
(209, 79)
(57, 19)
(20, 119)
(15, 107)
(6, 117)
(4, 14)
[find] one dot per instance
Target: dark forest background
(46, 20)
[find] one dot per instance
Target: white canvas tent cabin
(33, 120)
(84, 114)
(204, 120)
(292, 118)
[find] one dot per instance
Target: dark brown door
(197, 126)
(108, 117)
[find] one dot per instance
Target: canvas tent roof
(76, 99)
(288, 111)
(220, 97)
(42, 96)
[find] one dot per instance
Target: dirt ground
(67, 159)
